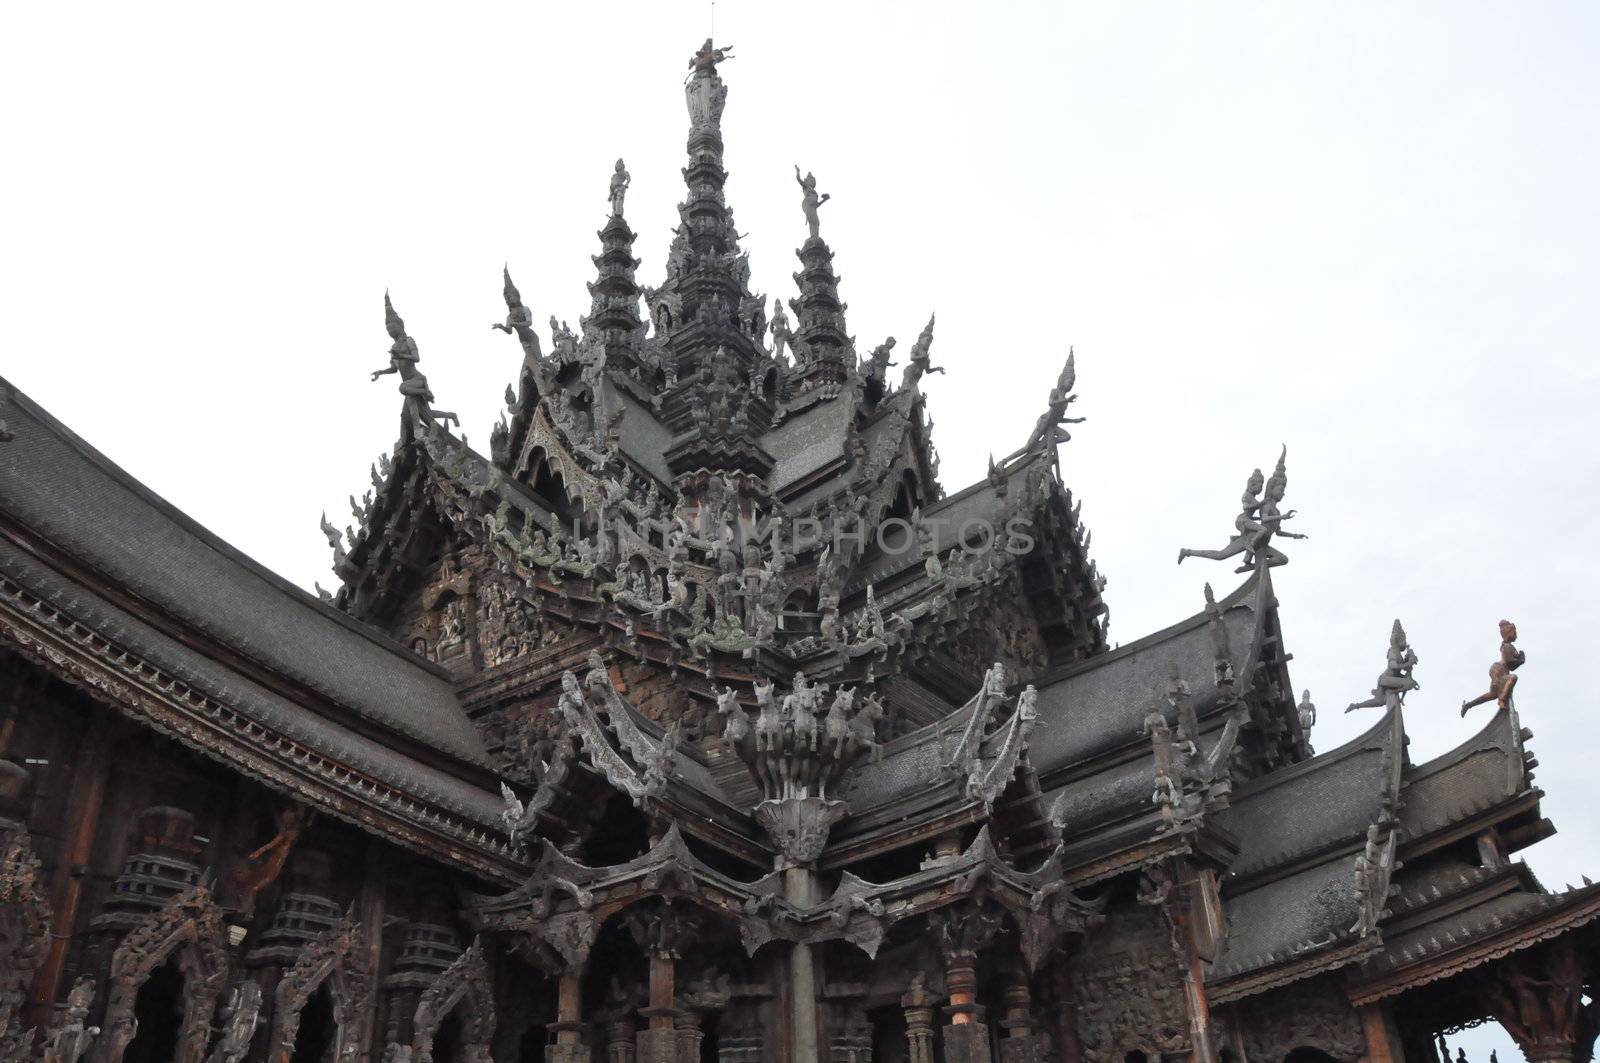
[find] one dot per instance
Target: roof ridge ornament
(1258, 521)
(404, 357)
(1396, 681)
(1502, 678)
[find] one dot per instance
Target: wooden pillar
(566, 1034)
(90, 773)
(918, 1003)
(966, 1038)
(373, 903)
(799, 888)
(1071, 1048)
(1383, 1040)
(658, 1041)
(1019, 1045)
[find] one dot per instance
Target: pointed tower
(613, 322)
(823, 354)
(720, 383)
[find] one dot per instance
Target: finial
(620, 179)
(1259, 520)
(920, 364)
(1396, 680)
(391, 320)
(810, 201)
(1502, 680)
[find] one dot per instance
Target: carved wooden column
(1383, 1041)
(962, 932)
(661, 935)
(1538, 997)
(1067, 1014)
(1019, 1045)
(566, 1033)
(619, 1035)
(918, 1003)
(90, 771)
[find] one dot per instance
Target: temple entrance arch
(158, 1016)
(334, 962)
(187, 931)
(455, 1018)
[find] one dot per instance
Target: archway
(332, 968)
(158, 1011)
(187, 932)
(318, 1028)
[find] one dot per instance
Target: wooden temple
(696, 721)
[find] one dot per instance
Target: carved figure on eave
(864, 729)
(1245, 525)
(878, 363)
(519, 322)
(1502, 677)
(836, 723)
(403, 359)
(810, 201)
(1396, 680)
(1308, 712)
(1047, 431)
(921, 360)
(736, 729)
(1271, 521)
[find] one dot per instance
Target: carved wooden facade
(695, 720)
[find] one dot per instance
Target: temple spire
(613, 322)
(823, 352)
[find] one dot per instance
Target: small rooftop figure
(709, 56)
(1396, 681)
(403, 359)
(1257, 523)
(1502, 680)
(620, 179)
(810, 201)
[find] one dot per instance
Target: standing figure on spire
(620, 179)
(810, 201)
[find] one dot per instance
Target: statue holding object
(810, 201)
(1396, 680)
(1502, 678)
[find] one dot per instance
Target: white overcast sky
(1366, 230)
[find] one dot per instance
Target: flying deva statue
(1258, 521)
(1502, 680)
(1396, 681)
